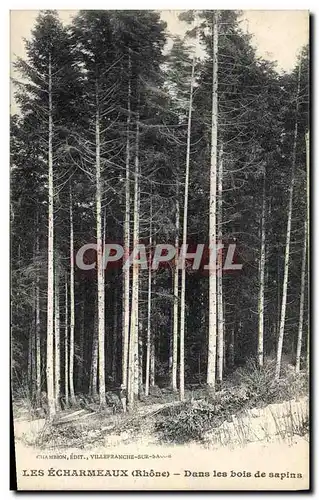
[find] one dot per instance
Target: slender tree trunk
(37, 330)
(94, 361)
(133, 386)
(211, 362)
(33, 361)
(100, 266)
(50, 294)
(225, 365)
(57, 371)
(185, 215)
(220, 311)
(152, 354)
(308, 351)
(262, 279)
(287, 248)
(308, 194)
(72, 307)
(140, 361)
(115, 349)
(278, 293)
(170, 349)
(126, 273)
(149, 310)
(303, 269)
(175, 292)
(152, 361)
(30, 384)
(302, 298)
(66, 344)
(138, 388)
(81, 360)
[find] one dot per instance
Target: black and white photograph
(159, 249)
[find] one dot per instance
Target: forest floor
(250, 406)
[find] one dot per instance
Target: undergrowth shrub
(185, 422)
(68, 435)
(191, 420)
(249, 387)
(263, 388)
(259, 381)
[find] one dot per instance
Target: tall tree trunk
(38, 328)
(100, 266)
(81, 346)
(33, 360)
(302, 298)
(126, 273)
(149, 310)
(50, 294)
(94, 360)
(288, 236)
(30, 356)
(140, 361)
(115, 349)
(152, 353)
(66, 344)
(211, 361)
(72, 306)
(170, 349)
(278, 292)
(220, 311)
(152, 360)
(175, 292)
(303, 269)
(184, 240)
(262, 264)
(308, 194)
(57, 371)
(138, 388)
(133, 386)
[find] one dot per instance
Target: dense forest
(128, 135)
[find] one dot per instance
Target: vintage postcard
(160, 331)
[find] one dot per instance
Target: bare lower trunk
(149, 310)
(175, 291)
(100, 264)
(278, 296)
(220, 311)
(37, 333)
(50, 294)
(308, 194)
(57, 371)
(66, 345)
(152, 353)
(30, 356)
(94, 360)
(302, 299)
(287, 247)
(72, 307)
(33, 361)
(81, 348)
(115, 349)
(133, 369)
(185, 215)
(262, 279)
(126, 272)
(170, 350)
(140, 362)
(211, 361)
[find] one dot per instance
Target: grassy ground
(224, 416)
